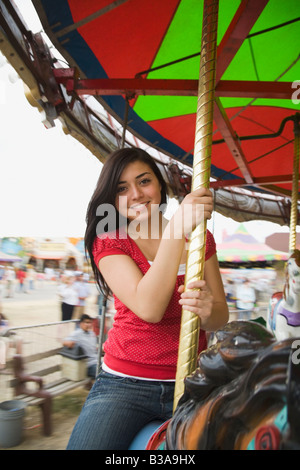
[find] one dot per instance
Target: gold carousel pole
(294, 206)
(190, 323)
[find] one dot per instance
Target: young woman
(140, 257)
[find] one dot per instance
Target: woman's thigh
(114, 412)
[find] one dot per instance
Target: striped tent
(241, 247)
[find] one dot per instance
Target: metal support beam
(252, 89)
(232, 141)
(143, 86)
(262, 180)
(238, 30)
(89, 18)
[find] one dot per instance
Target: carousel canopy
(154, 47)
(241, 247)
(140, 59)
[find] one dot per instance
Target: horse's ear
(293, 396)
(296, 255)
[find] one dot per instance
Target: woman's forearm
(155, 289)
(147, 295)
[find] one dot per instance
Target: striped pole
(294, 206)
(190, 323)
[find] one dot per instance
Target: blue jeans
(92, 371)
(117, 408)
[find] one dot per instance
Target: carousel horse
(223, 406)
(244, 395)
(284, 308)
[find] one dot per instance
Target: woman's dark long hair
(105, 193)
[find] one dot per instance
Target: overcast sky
(47, 177)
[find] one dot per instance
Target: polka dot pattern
(134, 346)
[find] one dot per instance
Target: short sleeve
(211, 248)
(105, 246)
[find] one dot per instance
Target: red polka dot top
(135, 347)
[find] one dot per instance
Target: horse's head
(292, 275)
(240, 395)
(284, 308)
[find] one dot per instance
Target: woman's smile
(140, 206)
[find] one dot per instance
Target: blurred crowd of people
(73, 286)
(16, 279)
(244, 294)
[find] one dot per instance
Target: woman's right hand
(195, 207)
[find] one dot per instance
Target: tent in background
(241, 247)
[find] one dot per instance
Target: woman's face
(138, 191)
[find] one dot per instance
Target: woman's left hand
(197, 299)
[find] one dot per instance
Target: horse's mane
(296, 255)
(238, 381)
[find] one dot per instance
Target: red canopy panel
(121, 22)
(263, 155)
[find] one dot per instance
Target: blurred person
(3, 343)
(10, 277)
(49, 273)
(87, 340)
(1, 285)
(40, 278)
(245, 299)
(230, 292)
(68, 296)
(31, 275)
(7, 340)
(21, 276)
(83, 290)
